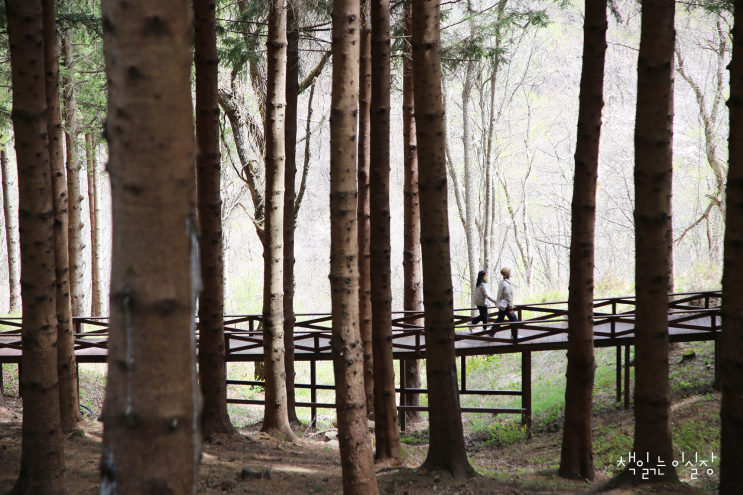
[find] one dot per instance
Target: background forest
(511, 80)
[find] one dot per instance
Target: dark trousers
(502, 314)
(482, 317)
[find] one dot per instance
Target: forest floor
(507, 461)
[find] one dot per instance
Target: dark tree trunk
(42, 457)
(731, 412)
(11, 234)
(290, 132)
(411, 261)
(364, 230)
(276, 421)
(66, 361)
(357, 463)
(76, 242)
(577, 451)
(212, 366)
(446, 450)
(653, 236)
(95, 248)
(151, 436)
(386, 429)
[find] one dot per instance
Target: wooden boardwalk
(691, 317)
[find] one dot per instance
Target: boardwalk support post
(626, 378)
(463, 366)
(526, 391)
(313, 383)
(402, 413)
(619, 373)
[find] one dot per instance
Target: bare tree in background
(11, 232)
(91, 148)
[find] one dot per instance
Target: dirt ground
(310, 466)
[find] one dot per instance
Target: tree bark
(357, 463)
(385, 410)
(290, 133)
(446, 450)
(653, 236)
(42, 457)
(276, 421)
(74, 207)
(69, 401)
(577, 450)
(364, 228)
(411, 261)
(11, 233)
(470, 193)
(731, 411)
(95, 247)
(151, 436)
(212, 366)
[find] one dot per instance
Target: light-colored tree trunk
(357, 463)
(386, 430)
(151, 443)
(42, 456)
(411, 261)
(470, 185)
(74, 206)
(653, 237)
(364, 229)
(576, 460)
(731, 348)
(91, 147)
(69, 402)
(446, 450)
(11, 232)
(212, 352)
(276, 420)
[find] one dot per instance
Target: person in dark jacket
(481, 297)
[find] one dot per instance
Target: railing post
(526, 391)
(626, 378)
(313, 381)
(403, 413)
(619, 373)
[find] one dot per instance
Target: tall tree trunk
(470, 192)
(411, 261)
(11, 233)
(731, 411)
(653, 235)
(386, 430)
(276, 421)
(95, 248)
(212, 366)
(74, 207)
(577, 451)
(42, 457)
(151, 437)
(446, 450)
(364, 226)
(69, 401)
(290, 133)
(357, 463)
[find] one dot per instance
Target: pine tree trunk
(276, 421)
(411, 262)
(653, 235)
(74, 207)
(95, 248)
(290, 132)
(446, 450)
(11, 233)
(357, 463)
(577, 451)
(731, 411)
(69, 402)
(386, 430)
(151, 436)
(212, 366)
(42, 457)
(364, 227)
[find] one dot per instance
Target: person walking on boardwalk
(481, 297)
(505, 300)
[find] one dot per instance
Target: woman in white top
(505, 294)
(481, 296)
